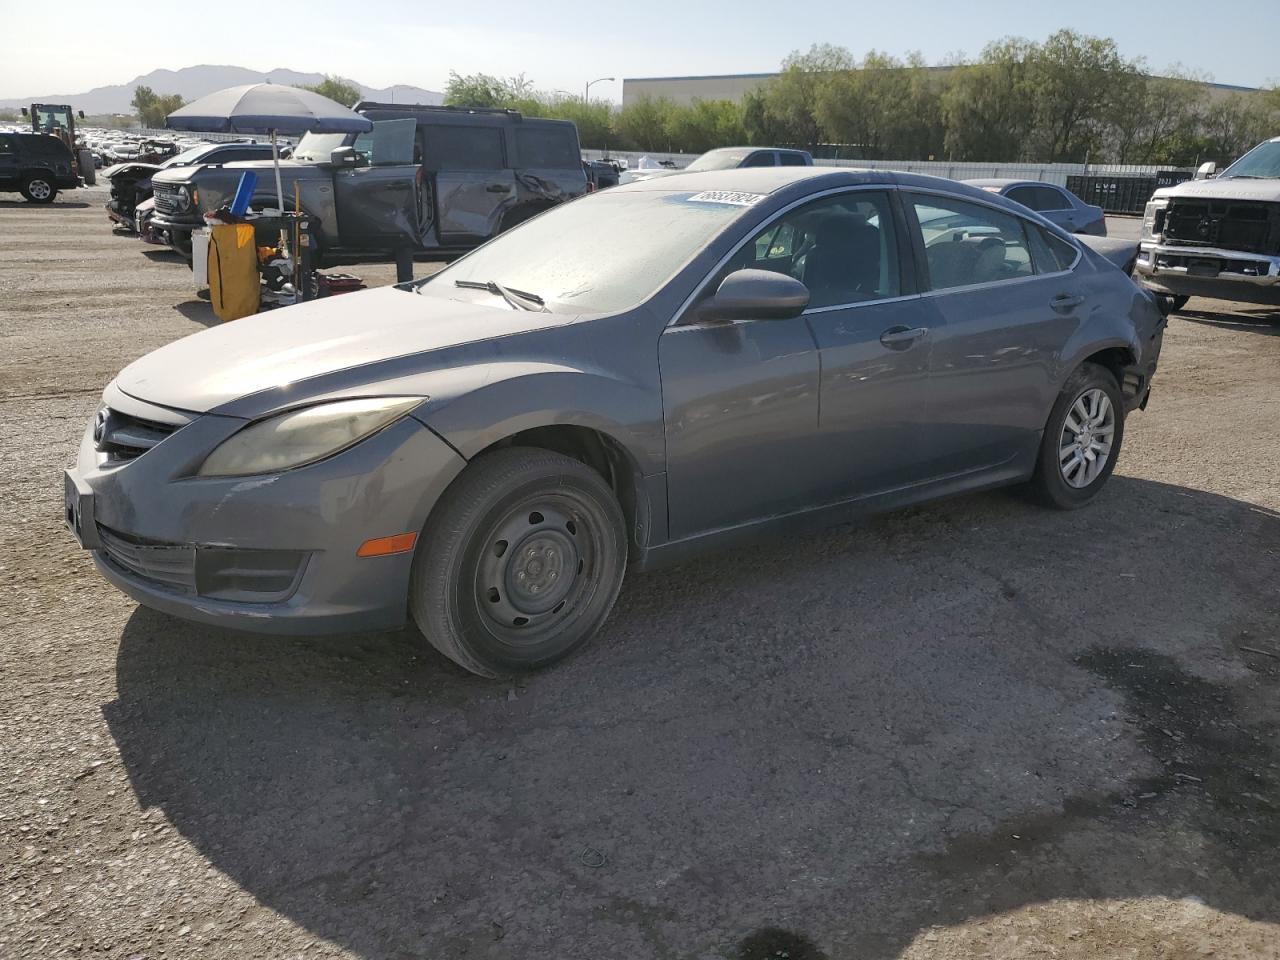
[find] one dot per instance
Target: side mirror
(345, 157)
(1206, 170)
(80, 113)
(756, 295)
(24, 112)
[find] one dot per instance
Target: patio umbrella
(267, 108)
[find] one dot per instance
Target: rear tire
(519, 563)
(1081, 441)
(39, 189)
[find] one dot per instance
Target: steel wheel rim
(39, 189)
(1088, 432)
(536, 569)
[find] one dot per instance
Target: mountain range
(192, 82)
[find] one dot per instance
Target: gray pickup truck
(1216, 236)
(426, 179)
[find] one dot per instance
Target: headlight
(303, 436)
(1153, 219)
(184, 199)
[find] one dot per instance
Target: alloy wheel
(1087, 433)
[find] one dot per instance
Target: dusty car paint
(724, 430)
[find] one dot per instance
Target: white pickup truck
(1216, 236)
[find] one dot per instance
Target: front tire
(520, 562)
(39, 189)
(1081, 441)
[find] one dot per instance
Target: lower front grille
(171, 565)
(219, 573)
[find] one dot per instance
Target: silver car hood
(1224, 189)
(214, 367)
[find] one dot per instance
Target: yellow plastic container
(234, 283)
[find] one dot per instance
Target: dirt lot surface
(977, 729)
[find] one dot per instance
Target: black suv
(131, 182)
(426, 179)
(37, 165)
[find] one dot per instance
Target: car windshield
(604, 253)
(717, 160)
(318, 147)
(1262, 161)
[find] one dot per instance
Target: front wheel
(520, 562)
(1081, 441)
(1173, 303)
(39, 189)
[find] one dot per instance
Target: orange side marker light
(385, 546)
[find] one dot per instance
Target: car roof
(769, 180)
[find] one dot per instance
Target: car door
(474, 183)
(1002, 322)
(377, 204)
(874, 337)
(9, 165)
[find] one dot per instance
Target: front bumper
(269, 554)
(177, 222)
(1209, 272)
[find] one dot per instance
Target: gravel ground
(975, 729)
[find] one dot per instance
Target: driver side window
(842, 248)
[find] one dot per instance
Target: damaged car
(439, 180)
(656, 369)
(131, 182)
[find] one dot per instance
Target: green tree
(153, 108)
(642, 124)
(986, 106)
(1071, 78)
(336, 89)
(704, 125)
(486, 90)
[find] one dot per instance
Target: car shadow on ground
(162, 255)
(1263, 320)
(25, 204)
(821, 745)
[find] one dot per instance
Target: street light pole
(586, 95)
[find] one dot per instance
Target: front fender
(515, 396)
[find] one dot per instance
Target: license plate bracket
(1204, 268)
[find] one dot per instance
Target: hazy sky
(562, 43)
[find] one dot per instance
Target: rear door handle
(900, 338)
(1065, 301)
(498, 188)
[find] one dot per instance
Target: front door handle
(498, 188)
(1065, 301)
(900, 338)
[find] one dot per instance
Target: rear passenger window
(792, 160)
(462, 148)
(545, 147)
(1022, 195)
(1047, 198)
(1051, 253)
(967, 243)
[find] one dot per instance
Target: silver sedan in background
(1056, 204)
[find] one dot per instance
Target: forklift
(59, 120)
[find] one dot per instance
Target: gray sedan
(1052, 202)
(641, 374)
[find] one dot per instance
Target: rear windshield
(604, 253)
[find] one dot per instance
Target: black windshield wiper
(519, 299)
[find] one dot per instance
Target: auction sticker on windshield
(727, 196)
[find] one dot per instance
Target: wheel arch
(603, 453)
